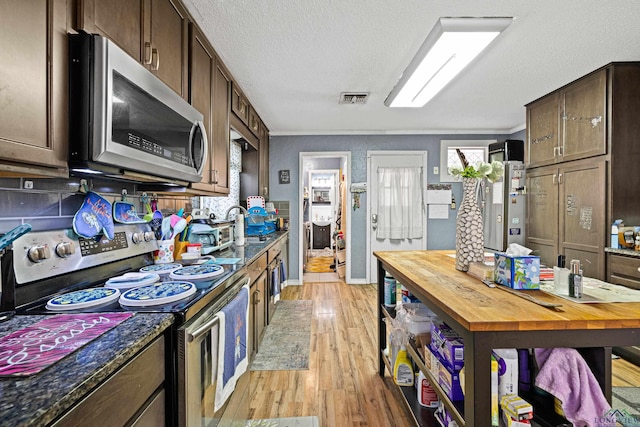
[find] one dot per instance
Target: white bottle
(507, 371)
(427, 396)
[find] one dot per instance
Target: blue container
(389, 291)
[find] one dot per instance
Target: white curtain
(399, 203)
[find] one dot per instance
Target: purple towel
(564, 373)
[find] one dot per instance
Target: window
(475, 151)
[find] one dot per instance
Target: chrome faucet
(244, 211)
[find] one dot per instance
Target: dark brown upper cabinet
(569, 124)
(33, 123)
(209, 89)
(153, 32)
(263, 177)
(239, 104)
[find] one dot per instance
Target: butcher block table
(488, 318)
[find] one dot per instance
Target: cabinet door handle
(554, 179)
(559, 178)
(258, 300)
(155, 59)
(561, 151)
(147, 53)
(215, 176)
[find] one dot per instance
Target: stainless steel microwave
(126, 123)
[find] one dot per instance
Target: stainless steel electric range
(47, 267)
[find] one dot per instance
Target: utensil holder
(165, 251)
(180, 247)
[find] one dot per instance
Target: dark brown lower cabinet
(134, 395)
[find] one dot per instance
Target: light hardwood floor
(341, 386)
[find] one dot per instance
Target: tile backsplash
(49, 204)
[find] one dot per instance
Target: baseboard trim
(356, 282)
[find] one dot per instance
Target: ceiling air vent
(354, 98)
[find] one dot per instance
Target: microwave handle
(204, 150)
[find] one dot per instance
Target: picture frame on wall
(284, 177)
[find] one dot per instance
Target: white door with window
(396, 215)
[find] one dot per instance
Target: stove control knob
(39, 253)
(65, 249)
(149, 236)
(137, 237)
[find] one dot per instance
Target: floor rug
(321, 264)
(627, 399)
(285, 345)
(285, 422)
(320, 252)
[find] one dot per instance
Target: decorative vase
(469, 227)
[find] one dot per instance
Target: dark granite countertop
(253, 248)
(620, 251)
(38, 399)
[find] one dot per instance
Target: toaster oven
(213, 237)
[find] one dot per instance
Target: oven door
(197, 370)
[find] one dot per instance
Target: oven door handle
(203, 329)
(214, 320)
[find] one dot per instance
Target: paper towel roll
(239, 231)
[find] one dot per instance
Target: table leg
(477, 367)
(382, 327)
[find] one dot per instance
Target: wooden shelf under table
(488, 318)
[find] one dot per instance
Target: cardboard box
(449, 380)
(516, 411)
(517, 272)
(448, 344)
(443, 417)
(431, 361)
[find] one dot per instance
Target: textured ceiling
(293, 58)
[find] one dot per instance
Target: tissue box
(517, 271)
(448, 345)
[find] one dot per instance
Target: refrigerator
(504, 208)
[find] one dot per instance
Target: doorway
(325, 221)
(377, 161)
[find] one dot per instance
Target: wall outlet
(436, 170)
(28, 185)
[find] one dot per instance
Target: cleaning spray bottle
(402, 370)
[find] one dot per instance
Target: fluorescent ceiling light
(449, 47)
